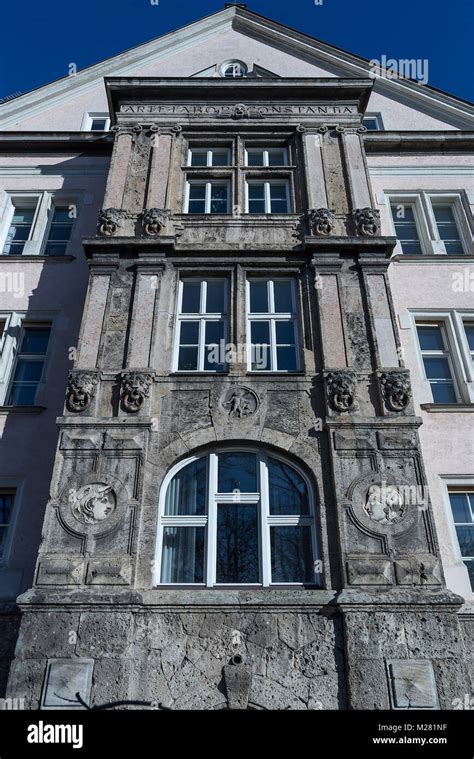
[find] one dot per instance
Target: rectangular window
(462, 507)
(437, 361)
(373, 122)
(267, 157)
(406, 228)
(469, 330)
(29, 364)
(21, 226)
(268, 197)
(272, 326)
(208, 197)
(95, 122)
(202, 326)
(448, 229)
(209, 157)
(7, 498)
(59, 231)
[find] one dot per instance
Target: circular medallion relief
(384, 504)
(92, 503)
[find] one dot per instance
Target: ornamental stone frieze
(135, 389)
(367, 221)
(322, 221)
(395, 390)
(81, 390)
(341, 390)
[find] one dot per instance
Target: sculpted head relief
(92, 503)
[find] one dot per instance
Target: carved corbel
(341, 390)
(395, 389)
(322, 221)
(81, 389)
(135, 389)
(367, 221)
(154, 221)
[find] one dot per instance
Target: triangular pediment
(269, 50)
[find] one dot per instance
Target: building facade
(249, 505)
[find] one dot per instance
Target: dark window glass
(283, 297)
(431, 338)
(288, 492)
(256, 198)
(237, 472)
(59, 232)
(186, 493)
(291, 555)
(191, 298)
(447, 229)
(215, 297)
(19, 231)
(258, 297)
(183, 555)
(237, 543)
(406, 229)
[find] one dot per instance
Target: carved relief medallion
(92, 503)
(384, 504)
(240, 402)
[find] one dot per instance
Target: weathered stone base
(9, 626)
(290, 649)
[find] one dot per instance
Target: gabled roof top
(239, 18)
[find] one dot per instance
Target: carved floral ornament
(135, 388)
(321, 221)
(396, 390)
(341, 389)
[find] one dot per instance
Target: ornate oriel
(135, 388)
(341, 388)
(81, 389)
(321, 221)
(367, 221)
(396, 390)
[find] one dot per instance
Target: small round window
(234, 70)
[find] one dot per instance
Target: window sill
(448, 407)
(51, 259)
(4, 410)
(430, 258)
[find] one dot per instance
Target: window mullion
(208, 197)
(264, 512)
(273, 347)
(268, 202)
(201, 347)
(212, 521)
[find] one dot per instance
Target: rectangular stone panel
(412, 684)
(63, 679)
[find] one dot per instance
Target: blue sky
(42, 37)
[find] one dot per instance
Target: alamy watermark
(404, 68)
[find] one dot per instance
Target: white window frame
(455, 345)
(460, 483)
(210, 152)
(27, 323)
(88, 118)
(423, 201)
(17, 484)
(209, 520)
(208, 183)
(202, 318)
(10, 346)
(267, 195)
(266, 157)
(272, 317)
(45, 202)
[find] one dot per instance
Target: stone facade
(382, 631)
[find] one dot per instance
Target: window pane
(286, 359)
(191, 298)
(98, 125)
(215, 297)
(19, 231)
(28, 371)
(255, 158)
(470, 569)
(6, 505)
(460, 507)
(237, 472)
(199, 158)
(189, 333)
(256, 198)
(279, 202)
(259, 297)
(197, 198)
(292, 559)
(443, 392)
(35, 340)
(469, 329)
(285, 333)
(466, 540)
(219, 198)
(187, 490)
(283, 297)
(260, 333)
(437, 367)
(261, 358)
(220, 158)
(183, 555)
(406, 229)
(22, 395)
(277, 157)
(214, 350)
(237, 543)
(430, 338)
(447, 228)
(287, 490)
(188, 359)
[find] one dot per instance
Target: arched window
(237, 517)
(233, 70)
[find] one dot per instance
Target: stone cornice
(52, 142)
(419, 142)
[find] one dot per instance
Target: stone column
(93, 318)
(317, 196)
(118, 169)
(356, 168)
(159, 169)
(147, 285)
